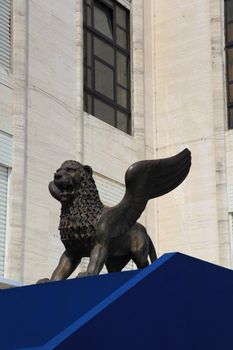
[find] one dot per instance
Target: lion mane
(78, 219)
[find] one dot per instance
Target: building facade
(172, 95)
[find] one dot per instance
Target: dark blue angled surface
(32, 315)
(176, 303)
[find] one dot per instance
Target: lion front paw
(43, 280)
(83, 274)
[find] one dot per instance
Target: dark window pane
(87, 77)
(230, 32)
(103, 51)
(229, 10)
(122, 71)
(230, 93)
(121, 16)
(230, 115)
(122, 121)
(104, 112)
(121, 37)
(87, 103)
(103, 79)
(87, 48)
(103, 20)
(87, 15)
(122, 97)
(230, 63)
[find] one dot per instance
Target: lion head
(75, 188)
(69, 179)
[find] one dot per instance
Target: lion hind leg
(116, 264)
(140, 247)
(140, 251)
(140, 259)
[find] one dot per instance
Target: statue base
(178, 302)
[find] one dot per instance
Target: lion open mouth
(64, 183)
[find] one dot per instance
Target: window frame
(6, 63)
(6, 164)
(4, 219)
(92, 91)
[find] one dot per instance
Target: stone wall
(190, 112)
(178, 101)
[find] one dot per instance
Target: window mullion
(124, 51)
(104, 62)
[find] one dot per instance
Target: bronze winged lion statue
(110, 236)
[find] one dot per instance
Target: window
(5, 168)
(107, 62)
(231, 234)
(3, 214)
(5, 33)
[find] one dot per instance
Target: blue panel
(177, 302)
(186, 304)
(34, 314)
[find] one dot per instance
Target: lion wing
(144, 180)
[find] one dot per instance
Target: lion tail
(152, 251)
